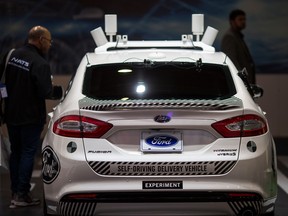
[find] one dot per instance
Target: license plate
(162, 185)
(161, 141)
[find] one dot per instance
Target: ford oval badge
(162, 118)
(161, 140)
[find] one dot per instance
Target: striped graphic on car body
(111, 105)
(127, 168)
(239, 206)
(77, 208)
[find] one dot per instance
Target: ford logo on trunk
(161, 140)
(162, 118)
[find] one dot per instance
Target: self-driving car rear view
(159, 122)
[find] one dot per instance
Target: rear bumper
(231, 203)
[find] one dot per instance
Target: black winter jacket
(28, 82)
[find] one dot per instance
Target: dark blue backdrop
(70, 22)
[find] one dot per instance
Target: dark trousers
(25, 140)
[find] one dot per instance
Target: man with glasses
(28, 83)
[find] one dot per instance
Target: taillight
(80, 127)
(241, 126)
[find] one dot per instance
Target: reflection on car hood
(108, 105)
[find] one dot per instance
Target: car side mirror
(254, 90)
(257, 91)
(57, 93)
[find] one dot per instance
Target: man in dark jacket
(234, 46)
(28, 82)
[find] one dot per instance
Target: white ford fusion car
(159, 121)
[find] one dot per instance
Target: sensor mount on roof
(185, 42)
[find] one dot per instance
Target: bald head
(40, 37)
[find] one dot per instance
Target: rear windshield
(163, 80)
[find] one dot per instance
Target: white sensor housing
(197, 25)
(209, 36)
(111, 25)
(99, 36)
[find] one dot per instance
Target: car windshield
(160, 80)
